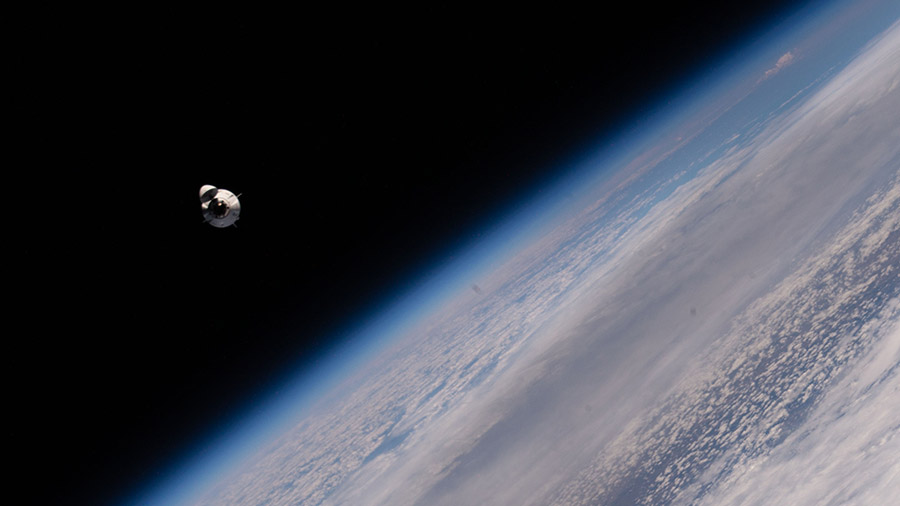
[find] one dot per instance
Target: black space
(365, 144)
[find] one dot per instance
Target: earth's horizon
(710, 315)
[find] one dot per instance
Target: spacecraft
(221, 208)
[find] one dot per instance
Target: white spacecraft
(221, 208)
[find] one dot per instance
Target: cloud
(846, 452)
(785, 60)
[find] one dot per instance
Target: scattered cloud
(785, 60)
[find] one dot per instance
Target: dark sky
(366, 145)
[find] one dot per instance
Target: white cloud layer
(847, 451)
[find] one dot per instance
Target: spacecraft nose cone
(207, 192)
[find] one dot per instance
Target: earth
(707, 314)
